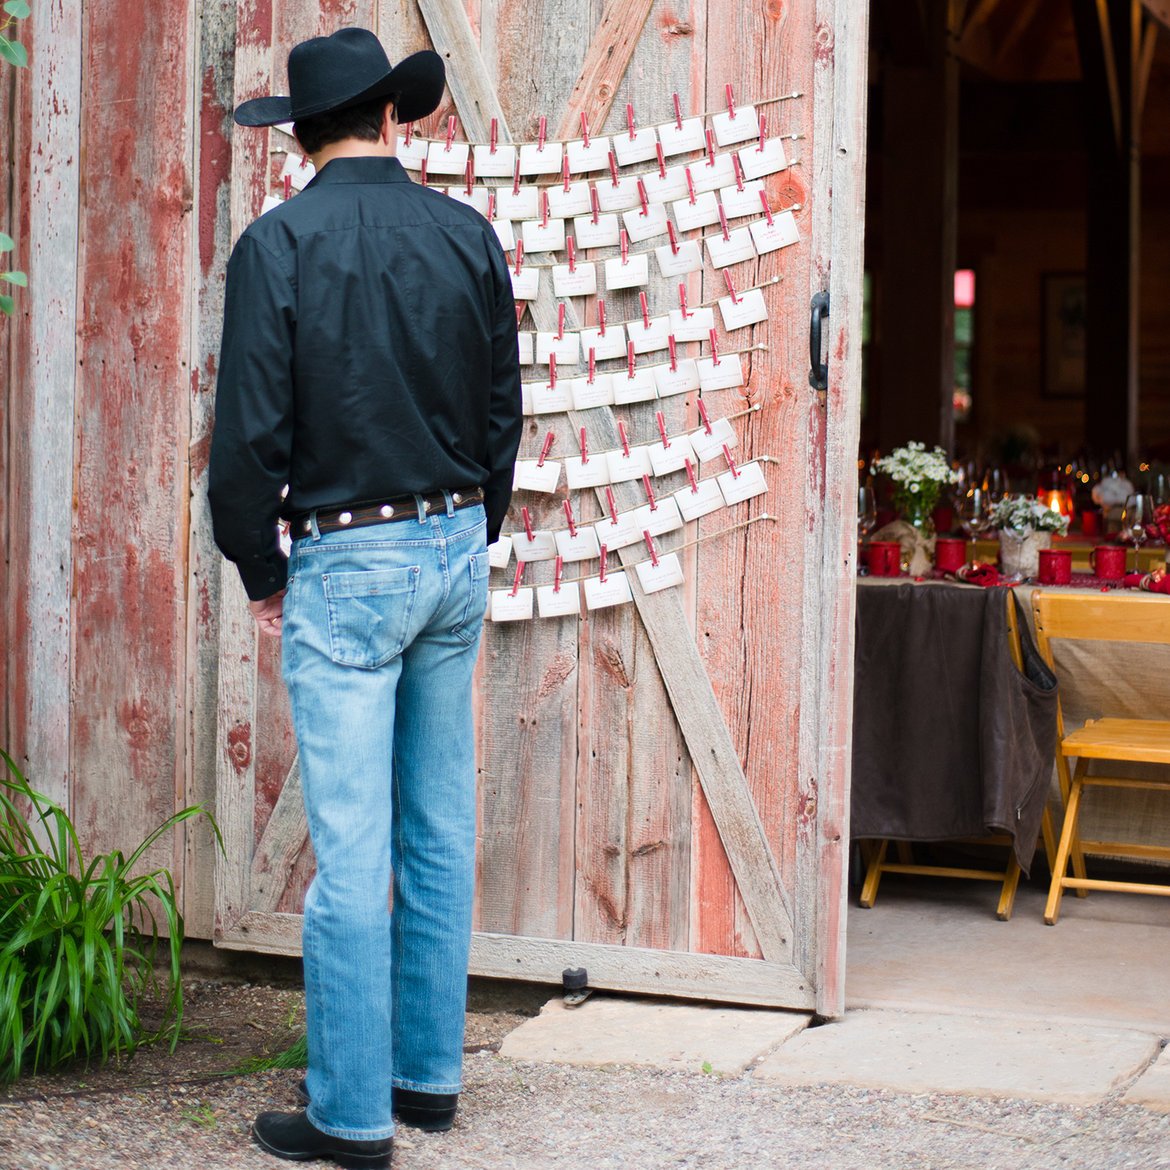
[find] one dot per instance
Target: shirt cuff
(264, 579)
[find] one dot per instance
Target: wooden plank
(280, 847)
(1159, 10)
(13, 132)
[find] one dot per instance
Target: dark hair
(363, 121)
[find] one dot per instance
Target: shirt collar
(365, 169)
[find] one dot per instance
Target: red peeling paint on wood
(239, 747)
(215, 161)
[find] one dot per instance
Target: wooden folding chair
(1108, 618)
(1009, 877)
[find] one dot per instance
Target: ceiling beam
(1159, 10)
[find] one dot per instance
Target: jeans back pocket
(471, 623)
(369, 614)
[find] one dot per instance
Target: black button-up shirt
(369, 350)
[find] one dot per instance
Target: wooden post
(915, 304)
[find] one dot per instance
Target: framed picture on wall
(1063, 334)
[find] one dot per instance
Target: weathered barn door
(662, 784)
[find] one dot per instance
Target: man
(369, 363)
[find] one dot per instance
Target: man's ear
(389, 124)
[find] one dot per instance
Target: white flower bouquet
(1021, 515)
(918, 475)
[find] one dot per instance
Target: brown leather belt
(382, 511)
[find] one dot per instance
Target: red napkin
(1132, 580)
(977, 573)
(1155, 582)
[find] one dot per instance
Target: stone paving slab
(982, 1056)
(1152, 1088)
(679, 1037)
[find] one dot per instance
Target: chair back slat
(1108, 618)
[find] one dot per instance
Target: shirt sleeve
(252, 438)
(506, 419)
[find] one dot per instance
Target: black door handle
(818, 375)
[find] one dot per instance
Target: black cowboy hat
(346, 69)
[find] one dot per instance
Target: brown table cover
(949, 739)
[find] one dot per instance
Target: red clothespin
(450, 133)
(691, 477)
(625, 247)
(584, 447)
(558, 568)
(763, 132)
(643, 198)
(677, 111)
(491, 210)
(571, 249)
(730, 286)
(723, 222)
(658, 417)
(495, 135)
(730, 102)
(710, 147)
(561, 321)
(714, 348)
(527, 523)
(470, 174)
(645, 309)
(565, 173)
(552, 371)
(611, 503)
(585, 129)
(730, 461)
(408, 132)
(604, 563)
(673, 237)
(738, 168)
(661, 160)
(422, 172)
(288, 186)
(544, 209)
(613, 170)
(601, 316)
(682, 301)
(670, 341)
(630, 119)
(519, 256)
(592, 365)
(519, 312)
(516, 177)
(703, 415)
(631, 359)
(650, 545)
(649, 493)
(622, 426)
(690, 184)
(595, 203)
(767, 209)
(541, 132)
(569, 517)
(518, 577)
(546, 448)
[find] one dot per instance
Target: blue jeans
(381, 632)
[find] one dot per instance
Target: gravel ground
(178, 1112)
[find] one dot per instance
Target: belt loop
(450, 503)
(421, 504)
(313, 525)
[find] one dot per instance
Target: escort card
(688, 258)
(633, 273)
(587, 395)
(704, 211)
(677, 139)
(736, 127)
(447, 160)
(580, 281)
(664, 517)
(541, 547)
(724, 375)
(507, 607)
(543, 237)
(532, 476)
(610, 344)
(270, 201)
(574, 201)
(639, 388)
(620, 195)
(622, 534)
(757, 163)
(593, 474)
(548, 399)
(648, 338)
(562, 602)
(710, 176)
(566, 349)
(412, 156)
(738, 203)
(614, 590)
(513, 204)
(695, 326)
(299, 171)
(582, 158)
(781, 232)
(582, 547)
(623, 467)
(653, 577)
(736, 247)
(748, 483)
(709, 446)
(527, 349)
(642, 146)
(693, 504)
(750, 309)
(683, 379)
(498, 165)
(526, 285)
(645, 224)
(504, 233)
(500, 553)
(664, 188)
(477, 199)
(535, 160)
(665, 460)
(605, 233)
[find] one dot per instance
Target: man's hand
(268, 613)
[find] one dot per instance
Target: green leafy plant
(79, 939)
(14, 53)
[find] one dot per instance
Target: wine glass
(1136, 519)
(866, 511)
(995, 484)
(973, 512)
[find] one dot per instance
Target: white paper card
(757, 163)
(580, 475)
(509, 608)
(527, 284)
(582, 158)
(623, 467)
(665, 460)
(693, 504)
(688, 258)
(620, 535)
(639, 388)
(299, 171)
(556, 399)
(704, 211)
(678, 140)
(710, 176)
(643, 146)
(522, 204)
(587, 395)
(683, 379)
(620, 195)
(582, 547)
(541, 547)
(566, 348)
(722, 376)
(648, 338)
(581, 281)
(662, 518)
(500, 553)
(444, 160)
(605, 233)
(750, 309)
(563, 602)
(748, 483)
(536, 477)
(412, 156)
(500, 165)
(527, 349)
(695, 326)
(535, 161)
(737, 127)
(543, 237)
(781, 232)
(708, 446)
(270, 201)
(663, 188)
(738, 203)
(574, 201)
(504, 233)
(614, 590)
(736, 247)
(477, 199)
(645, 225)
(286, 128)
(634, 272)
(653, 577)
(610, 344)
(526, 407)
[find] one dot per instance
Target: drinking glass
(973, 510)
(1136, 519)
(866, 511)
(995, 484)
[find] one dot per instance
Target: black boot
(293, 1136)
